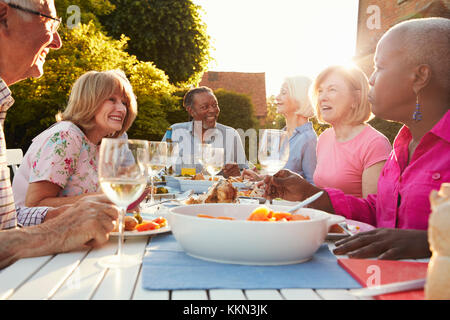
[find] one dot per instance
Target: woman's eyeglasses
(56, 21)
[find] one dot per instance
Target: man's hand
(251, 175)
(388, 244)
(231, 170)
(87, 222)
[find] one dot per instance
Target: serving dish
(248, 242)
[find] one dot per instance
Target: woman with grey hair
(294, 104)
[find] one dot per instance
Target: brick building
(252, 84)
(375, 17)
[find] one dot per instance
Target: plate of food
(225, 191)
(135, 227)
(347, 228)
(200, 183)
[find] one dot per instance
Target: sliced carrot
(160, 220)
(146, 226)
(260, 214)
(225, 218)
(297, 217)
(282, 215)
(205, 216)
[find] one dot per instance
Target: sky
(280, 37)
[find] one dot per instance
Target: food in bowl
(263, 213)
(240, 241)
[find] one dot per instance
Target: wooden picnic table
(77, 276)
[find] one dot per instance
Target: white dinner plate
(135, 233)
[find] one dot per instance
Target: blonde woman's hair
(357, 81)
(298, 88)
(90, 91)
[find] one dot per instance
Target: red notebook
(372, 272)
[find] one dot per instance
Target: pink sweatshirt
(340, 165)
(403, 190)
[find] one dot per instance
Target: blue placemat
(167, 267)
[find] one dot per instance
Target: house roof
(252, 84)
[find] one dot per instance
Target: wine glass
(122, 177)
(212, 160)
(172, 156)
(157, 159)
(273, 150)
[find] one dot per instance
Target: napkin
(388, 271)
(167, 267)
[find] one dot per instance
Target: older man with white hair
(28, 31)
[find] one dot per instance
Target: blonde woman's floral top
(62, 155)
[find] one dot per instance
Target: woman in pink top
(350, 154)
(410, 84)
(60, 166)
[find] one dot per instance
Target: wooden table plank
(50, 277)
(300, 294)
(83, 282)
(226, 294)
(119, 284)
(12, 277)
(263, 295)
(335, 294)
(189, 295)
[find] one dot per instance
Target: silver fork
(179, 198)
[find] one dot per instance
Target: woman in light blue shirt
(294, 104)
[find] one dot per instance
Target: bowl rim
(325, 217)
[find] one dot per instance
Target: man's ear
(4, 12)
(190, 111)
(422, 76)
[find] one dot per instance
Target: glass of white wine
(172, 157)
(212, 160)
(157, 159)
(273, 152)
(122, 177)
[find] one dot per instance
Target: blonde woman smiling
(350, 154)
(60, 166)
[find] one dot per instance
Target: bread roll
(438, 274)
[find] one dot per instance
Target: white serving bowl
(248, 242)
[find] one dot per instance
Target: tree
(88, 9)
(236, 110)
(169, 33)
(86, 48)
(274, 120)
